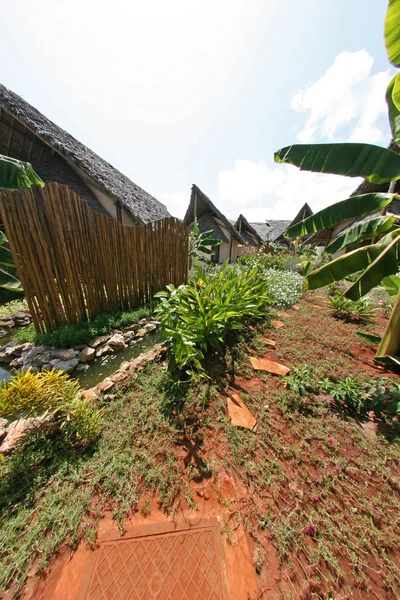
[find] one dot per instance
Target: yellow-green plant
(31, 393)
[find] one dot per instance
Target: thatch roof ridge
(140, 205)
(270, 230)
(248, 227)
(189, 216)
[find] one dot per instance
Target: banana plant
(201, 244)
(378, 262)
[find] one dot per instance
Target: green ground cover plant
(358, 310)
(284, 287)
(82, 333)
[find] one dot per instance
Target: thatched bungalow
(252, 239)
(272, 230)
(55, 155)
(210, 218)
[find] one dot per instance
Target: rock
(139, 363)
(79, 347)
(149, 327)
(133, 327)
(104, 386)
(262, 364)
(34, 352)
(119, 376)
(142, 321)
(238, 412)
(117, 342)
(269, 342)
(16, 431)
(125, 366)
(87, 354)
(3, 332)
(141, 333)
(27, 366)
(90, 394)
(64, 354)
(98, 341)
(82, 367)
(128, 336)
(103, 351)
(42, 359)
(65, 365)
(16, 363)
(5, 358)
(283, 314)
(3, 428)
(277, 324)
(6, 322)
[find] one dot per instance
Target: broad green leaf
(361, 231)
(376, 164)
(393, 103)
(390, 344)
(342, 267)
(386, 263)
(351, 208)
(6, 258)
(391, 285)
(374, 339)
(9, 282)
(15, 174)
(392, 32)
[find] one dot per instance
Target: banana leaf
(342, 267)
(376, 164)
(391, 285)
(392, 32)
(386, 263)
(393, 103)
(9, 282)
(361, 231)
(374, 339)
(390, 343)
(15, 174)
(351, 208)
(6, 258)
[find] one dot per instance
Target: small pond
(102, 367)
(105, 366)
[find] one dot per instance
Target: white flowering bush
(284, 287)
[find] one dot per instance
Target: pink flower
(337, 470)
(311, 529)
(328, 466)
(382, 574)
(381, 302)
(331, 442)
(315, 498)
(375, 511)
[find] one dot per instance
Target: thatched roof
(247, 231)
(141, 206)
(270, 230)
(206, 212)
(303, 213)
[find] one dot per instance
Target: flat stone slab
(295, 307)
(263, 364)
(277, 324)
(238, 412)
(269, 342)
(161, 562)
(283, 314)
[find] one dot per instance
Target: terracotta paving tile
(277, 324)
(165, 565)
(295, 307)
(269, 342)
(238, 412)
(283, 314)
(263, 364)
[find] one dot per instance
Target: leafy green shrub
(13, 306)
(34, 393)
(197, 317)
(262, 260)
(350, 395)
(82, 333)
(357, 310)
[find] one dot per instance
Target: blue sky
(203, 91)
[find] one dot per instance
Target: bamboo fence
(75, 264)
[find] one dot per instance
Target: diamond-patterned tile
(179, 565)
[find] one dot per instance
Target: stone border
(38, 358)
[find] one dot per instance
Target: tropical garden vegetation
(378, 261)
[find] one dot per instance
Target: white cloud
(347, 95)
(261, 192)
(176, 203)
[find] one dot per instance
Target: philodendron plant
(378, 262)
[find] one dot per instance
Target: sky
(204, 91)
